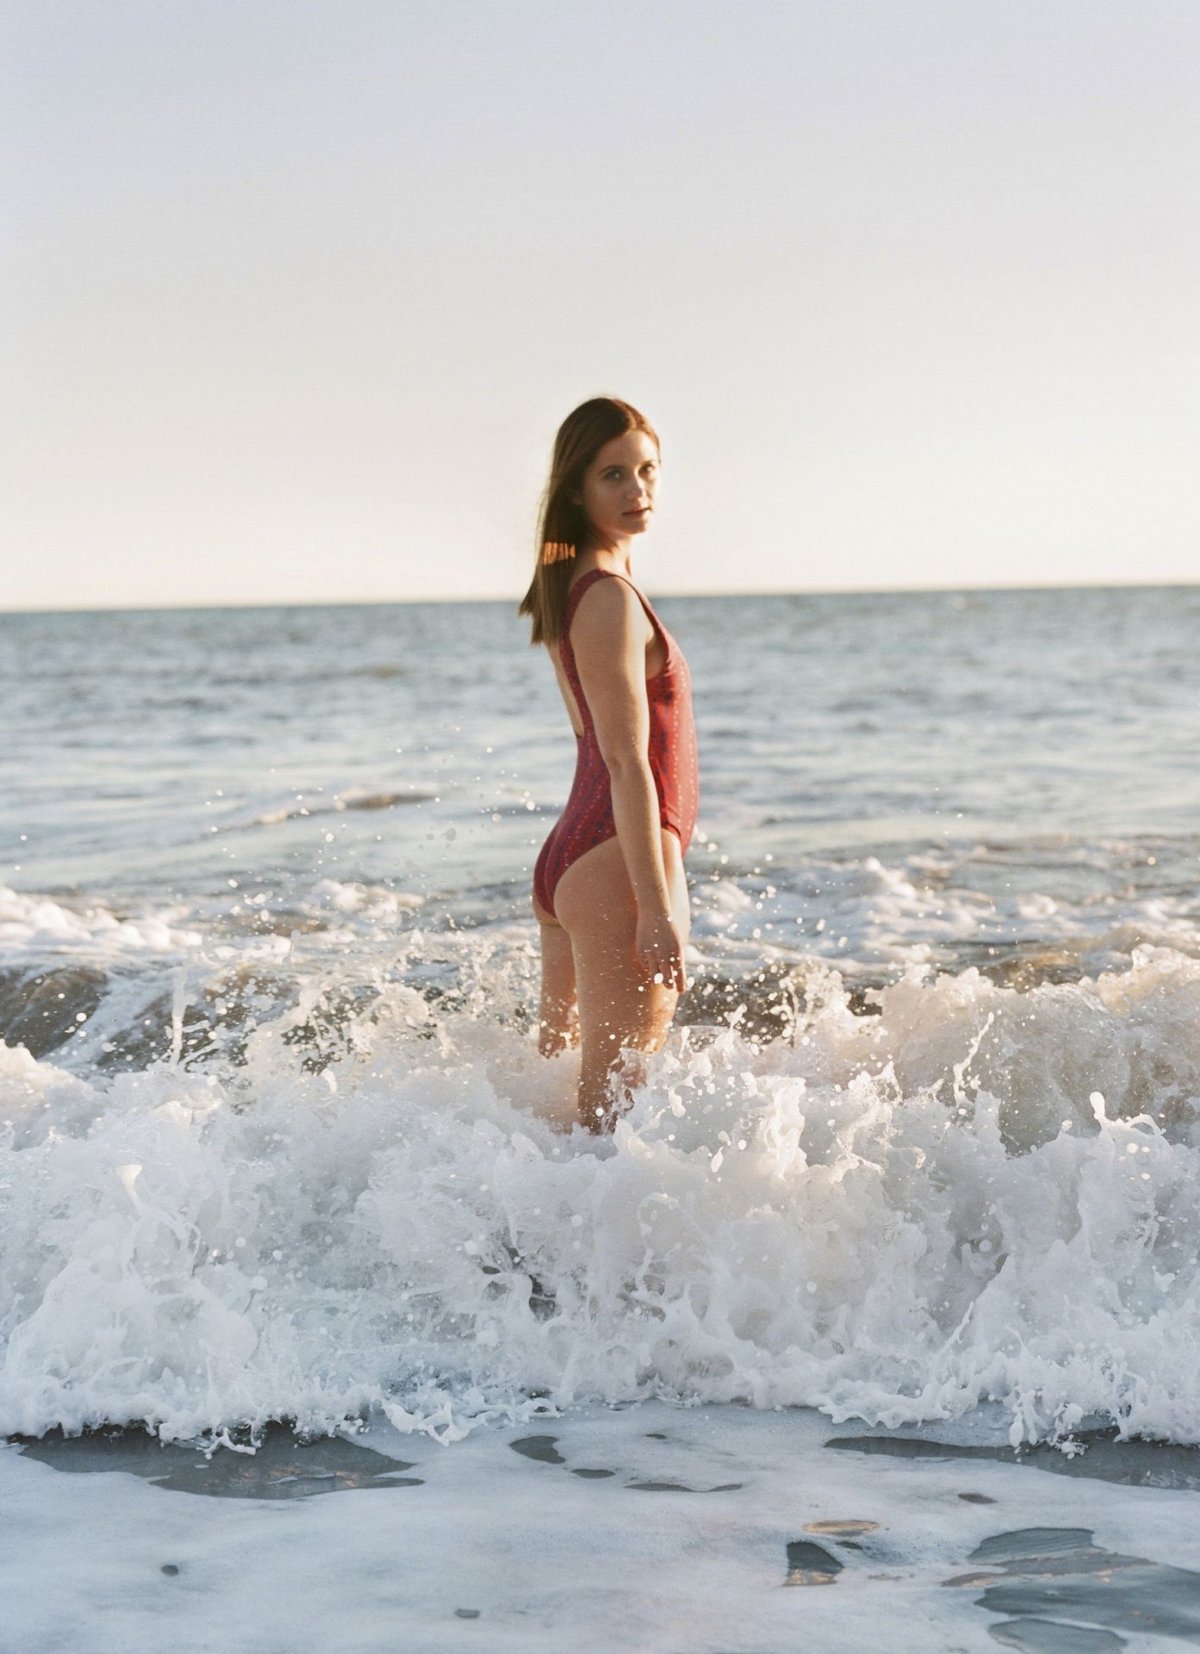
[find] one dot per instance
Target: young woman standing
(609, 891)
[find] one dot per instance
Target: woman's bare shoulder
(606, 604)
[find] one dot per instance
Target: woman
(609, 891)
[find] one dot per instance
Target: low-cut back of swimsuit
(587, 819)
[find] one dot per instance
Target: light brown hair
(562, 524)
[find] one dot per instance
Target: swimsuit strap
(581, 585)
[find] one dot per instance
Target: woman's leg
(618, 1006)
(558, 1025)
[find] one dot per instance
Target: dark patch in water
(809, 1564)
(1021, 966)
(541, 1299)
(763, 1006)
(40, 1009)
(1022, 1544)
(680, 1487)
(1059, 1586)
(281, 1466)
(593, 1475)
(541, 1302)
(1131, 1463)
(541, 1448)
(1051, 1637)
(334, 806)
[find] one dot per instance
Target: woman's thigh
(618, 1003)
(556, 1010)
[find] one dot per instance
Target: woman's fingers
(660, 950)
(667, 968)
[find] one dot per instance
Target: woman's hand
(659, 946)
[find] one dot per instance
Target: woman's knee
(620, 1013)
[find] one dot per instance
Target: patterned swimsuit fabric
(587, 819)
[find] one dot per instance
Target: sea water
(922, 1152)
(925, 1134)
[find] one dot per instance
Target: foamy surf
(972, 1195)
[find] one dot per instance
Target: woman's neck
(613, 559)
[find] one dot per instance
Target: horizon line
(763, 591)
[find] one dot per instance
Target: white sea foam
(863, 912)
(895, 1217)
(33, 925)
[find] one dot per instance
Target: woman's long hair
(562, 524)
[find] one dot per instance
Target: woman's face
(619, 487)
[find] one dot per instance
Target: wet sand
(713, 1530)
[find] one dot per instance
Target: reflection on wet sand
(1057, 1572)
(1049, 1590)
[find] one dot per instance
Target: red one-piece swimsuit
(587, 819)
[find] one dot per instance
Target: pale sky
(296, 292)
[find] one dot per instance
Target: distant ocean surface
(926, 1135)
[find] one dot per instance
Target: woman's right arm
(608, 638)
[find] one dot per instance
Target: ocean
(917, 1172)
